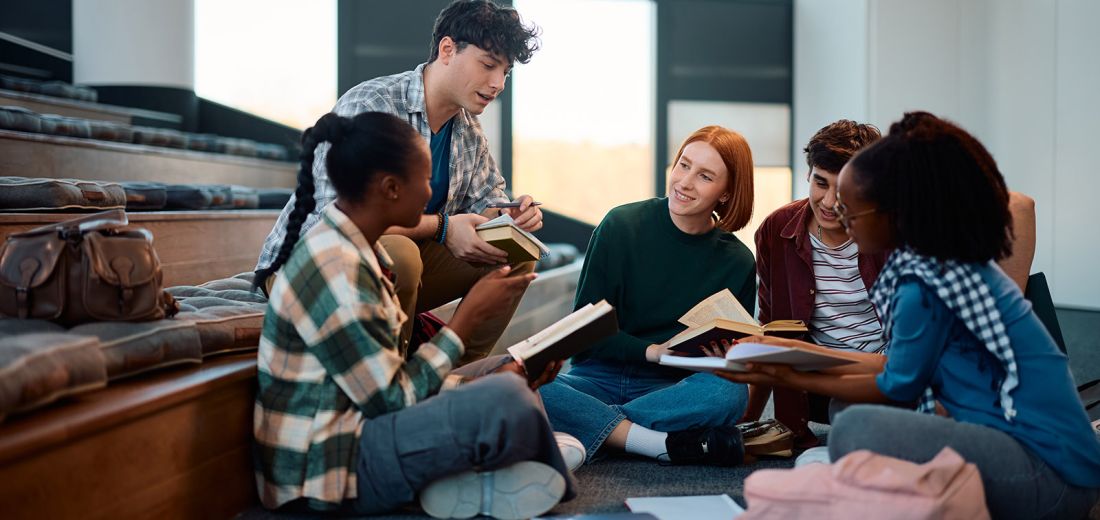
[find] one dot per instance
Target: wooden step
(193, 246)
(172, 444)
(24, 154)
(86, 110)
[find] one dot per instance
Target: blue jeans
(492, 422)
(595, 396)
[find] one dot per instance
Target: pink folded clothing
(868, 485)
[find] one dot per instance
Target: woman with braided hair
(963, 340)
(342, 421)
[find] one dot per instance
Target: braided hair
(360, 147)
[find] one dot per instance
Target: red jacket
(784, 265)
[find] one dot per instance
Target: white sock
(643, 441)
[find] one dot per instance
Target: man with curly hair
(474, 45)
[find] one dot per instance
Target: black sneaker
(717, 446)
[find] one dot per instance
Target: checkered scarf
(960, 287)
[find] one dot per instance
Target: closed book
(566, 338)
(503, 233)
(511, 241)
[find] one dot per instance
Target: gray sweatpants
(1018, 484)
(490, 423)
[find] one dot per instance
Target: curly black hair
(940, 187)
(493, 28)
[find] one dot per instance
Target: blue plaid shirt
(475, 179)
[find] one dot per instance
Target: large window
(583, 107)
(272, 58)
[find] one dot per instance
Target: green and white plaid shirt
(475, 180)
(328, 360)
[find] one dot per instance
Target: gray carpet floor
(605, 484)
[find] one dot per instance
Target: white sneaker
(571, 450)
(818, 455)
(522, 490)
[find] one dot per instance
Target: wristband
(438, 227)
(443, 235)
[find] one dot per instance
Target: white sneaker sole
(522, 490)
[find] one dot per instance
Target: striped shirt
(328, 360)
(843, 316)
(475, 180)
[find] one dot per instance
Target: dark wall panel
(379, 38)
(721, 50)
(46, 22)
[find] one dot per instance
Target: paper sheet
(701, 507)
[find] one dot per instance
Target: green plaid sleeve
(354, 338)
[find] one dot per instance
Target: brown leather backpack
(92, 268)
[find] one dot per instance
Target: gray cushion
(39, 368)
(196, 303)
(202, 142)
(66, 126)
(275, 152)
(229, 284)
(230, 290)
(111, 131)
(132, 348)
(187, 196)
(26, 194)
(274, 198)
(221, 196)
(244, 197)
(145, 195)
(16, 327)
(19, 118)
(227, 328)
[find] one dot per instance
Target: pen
(498, 205)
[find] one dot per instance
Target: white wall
(134, 42)
(1076, 143)
(1020, 74)
(830, 71)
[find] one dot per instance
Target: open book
(503, 233)
(566, 338)
(742, 353)
(721, 317)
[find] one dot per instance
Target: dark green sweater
(653, 273)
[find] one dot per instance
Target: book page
(503, 220)
(720, 305)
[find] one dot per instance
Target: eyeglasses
(846, 219)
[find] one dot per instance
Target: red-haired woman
(653, 260)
